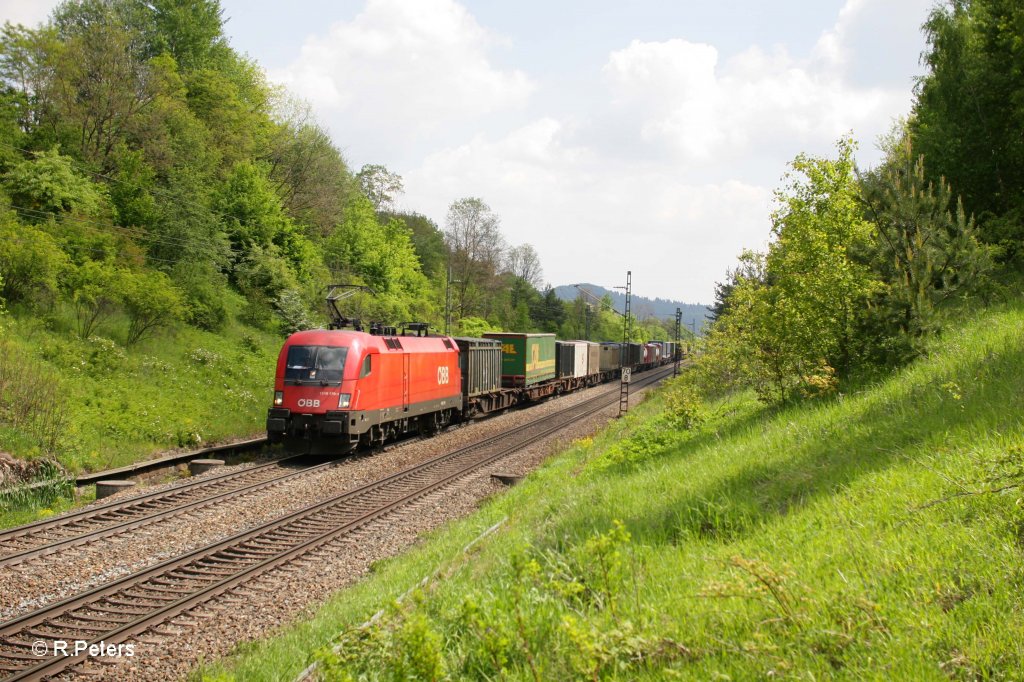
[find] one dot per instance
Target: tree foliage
(96, 288)
(473, 235)
(969, 112)
(151, 301)
(925, 248)
(792, 315)
(31, 261)
(48, 186)
(380, 186)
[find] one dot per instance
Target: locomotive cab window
(315, 364)
(365, 371)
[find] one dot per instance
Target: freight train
(337, 390)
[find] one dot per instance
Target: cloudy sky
(646, 135)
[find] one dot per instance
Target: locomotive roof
(344, 337)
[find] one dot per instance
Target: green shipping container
(526, 359)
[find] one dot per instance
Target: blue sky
(612, 136)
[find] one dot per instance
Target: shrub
(203, 290)
(152, 302)
(96, 289)
(30, 261)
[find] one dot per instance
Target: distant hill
(695, 315)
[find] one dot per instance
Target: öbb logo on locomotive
(308, 402)
(442, 375)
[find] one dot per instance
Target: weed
(36, 485)
(31, 399)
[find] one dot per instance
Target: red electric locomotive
(338, 389)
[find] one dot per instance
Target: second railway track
(128, 607)
(121, 516)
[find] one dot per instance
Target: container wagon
(526, 359)
(593, 357)
(632, 354)
(480, 364)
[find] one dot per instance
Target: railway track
(89, 525)
(115, 613)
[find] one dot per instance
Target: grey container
(572, 358)
(633, 355)
(593, 356)
(610, 356)
(565, 359)
(480, 364)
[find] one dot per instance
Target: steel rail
(148, 514)
(112, 506)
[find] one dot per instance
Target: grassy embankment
(873, 535)
(94, 404)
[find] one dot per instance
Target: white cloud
(586, 217)
(870, 37)
(712, 112)
(27, 12)
(409, 68)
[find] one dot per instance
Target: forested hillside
(694, 315)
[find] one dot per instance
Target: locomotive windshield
(315, 364)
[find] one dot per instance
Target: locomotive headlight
(344, 400)
(278, 398)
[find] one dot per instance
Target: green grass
(877, 535)
(182, 388)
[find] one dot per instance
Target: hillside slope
(93, 404)
(874, 535)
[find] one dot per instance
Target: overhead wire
(104, 228)
(164, 239)
(154, 189)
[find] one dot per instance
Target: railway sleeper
(220, 559)
(210, 573)
(78, 627)
(97, 619)
(161, 580)
(16, 656)
(268, 540)
(125, 607)
(247, 554)
(160, 589)
(134, 594)
(39, 633)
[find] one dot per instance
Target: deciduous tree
(380, 185)
(475, 242)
